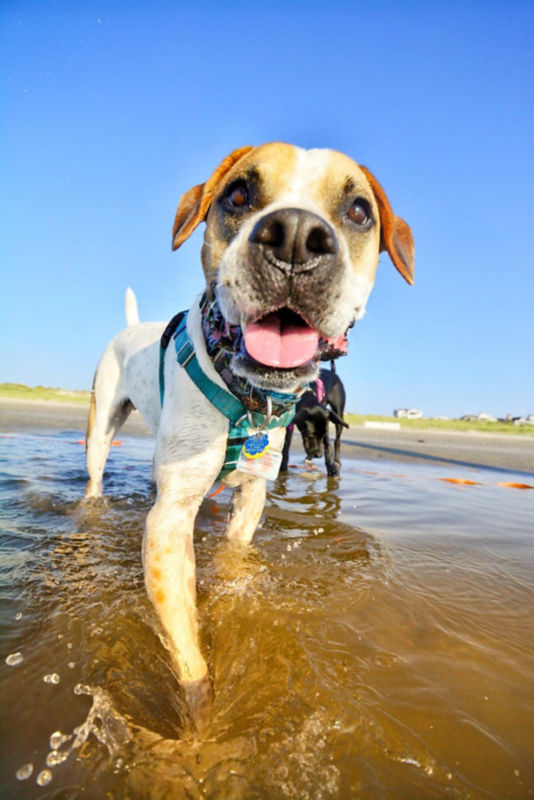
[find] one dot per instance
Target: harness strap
(164, 343)
(219, 397)
(239, 416)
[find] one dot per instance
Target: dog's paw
(333, 470)
(199, 699)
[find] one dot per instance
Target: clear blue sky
(111, 110)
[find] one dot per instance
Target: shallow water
(376, 641)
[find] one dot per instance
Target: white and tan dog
(291, 245)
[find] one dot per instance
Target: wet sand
(33, 415)
(455, 449)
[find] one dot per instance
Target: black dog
(312, 417)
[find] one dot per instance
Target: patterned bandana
(223, 341)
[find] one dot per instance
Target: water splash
(24, 772)
(303, 770)
(57, 739)
(44, 777)
(14, 659)
(103, 721)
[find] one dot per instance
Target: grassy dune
(445, 424)
(18, 391)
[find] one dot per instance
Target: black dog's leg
(337, 446)
(285, 451)
(336, 401)
(332, 468)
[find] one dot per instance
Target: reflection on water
(374, 642)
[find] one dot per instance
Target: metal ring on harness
(269, 414)
(248, 415)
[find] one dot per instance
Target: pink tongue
(275, 345)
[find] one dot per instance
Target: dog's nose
(295, 236)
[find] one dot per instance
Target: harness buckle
(184, 358)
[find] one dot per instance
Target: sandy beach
(461, 449)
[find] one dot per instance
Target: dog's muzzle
(293, 267)
(293, 259)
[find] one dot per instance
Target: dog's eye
(237, 195)
(359, 212)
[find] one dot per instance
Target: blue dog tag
(256, 445)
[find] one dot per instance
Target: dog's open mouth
(281, 339)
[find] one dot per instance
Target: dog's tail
(130, 306)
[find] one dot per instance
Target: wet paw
(199, 698)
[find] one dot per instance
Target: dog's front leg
(331, 467)
(287, 446)
(337, 446)
(246, 506)
(169, 566)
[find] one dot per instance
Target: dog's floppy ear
(194, 204)
(395, 235)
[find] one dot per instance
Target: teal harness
(241, 418)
